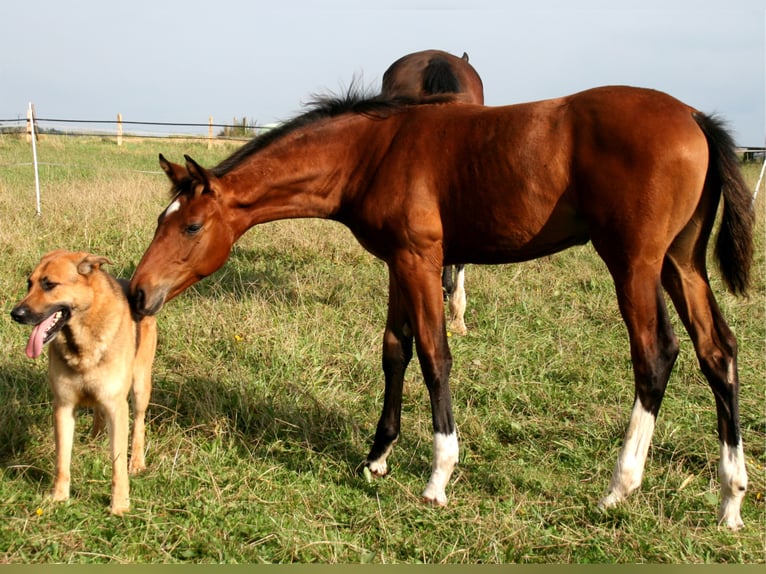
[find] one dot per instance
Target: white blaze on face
(172, 208)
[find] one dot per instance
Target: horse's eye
(192, 228)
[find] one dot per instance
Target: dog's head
(57, 289)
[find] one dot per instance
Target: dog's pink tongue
(35, 344)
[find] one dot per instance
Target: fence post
(119, 129)
(760, 179)
(33, 137)
(30, 122)
(210, 132)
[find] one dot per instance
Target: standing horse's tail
(734, 245)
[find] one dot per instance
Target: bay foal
(636, 172)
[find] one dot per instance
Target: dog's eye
(29, 284)
(192, 228)
(47, 285)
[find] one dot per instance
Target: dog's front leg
(63, 433)
(117, 425)
(142, 389)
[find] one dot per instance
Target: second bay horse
(418, 76)
(636, 172)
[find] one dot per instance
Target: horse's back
(638, 160)
(536, 178)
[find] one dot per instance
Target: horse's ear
(199, 173)
(465, 56)
(175, 172)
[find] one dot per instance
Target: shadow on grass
(25, 404)
(292, 429)
(260, 271)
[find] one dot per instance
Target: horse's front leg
(421, 292)
(397, 353)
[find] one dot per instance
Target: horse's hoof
(439, 502)
(377, 468)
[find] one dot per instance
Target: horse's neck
(274, 184)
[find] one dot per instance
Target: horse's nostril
(139, 299)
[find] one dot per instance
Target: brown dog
(98, 355)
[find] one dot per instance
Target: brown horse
(634, 171)
(418, 76)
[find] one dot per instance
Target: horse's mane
(354, 101)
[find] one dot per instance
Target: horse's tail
(448, 280)
(734, 245)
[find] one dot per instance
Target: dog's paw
(60, 494)
(119, 509)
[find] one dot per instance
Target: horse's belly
(502, 253)
(494, 239)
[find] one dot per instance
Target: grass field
(268, 386)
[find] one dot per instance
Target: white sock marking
(629, 469)
(379, 466)
(445, 458)
(733, 476)
(457, 304)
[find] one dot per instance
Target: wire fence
(236, 131)
(33, 127)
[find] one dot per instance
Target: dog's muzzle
(23, 314)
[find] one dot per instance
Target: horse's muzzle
(143, 306)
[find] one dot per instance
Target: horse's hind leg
(457, 301)
(419, 294)
(654, 349)
(716, 349)
(397, 353)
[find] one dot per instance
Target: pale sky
(185, 60)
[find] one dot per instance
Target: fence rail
(34, 126)
(116, 128)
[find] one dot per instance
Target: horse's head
(192, 240)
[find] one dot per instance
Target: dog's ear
(91, 263)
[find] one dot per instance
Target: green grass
(268, 386)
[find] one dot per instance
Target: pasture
(268, 386)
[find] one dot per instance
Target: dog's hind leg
(99, 422)
(63, 433)
(141, 393)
